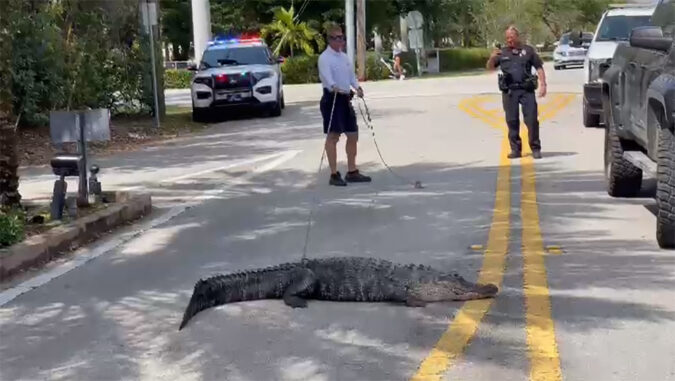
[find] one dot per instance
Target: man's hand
(493, 57)
(359, 92)
(542, 90)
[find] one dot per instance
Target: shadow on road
(121, 312)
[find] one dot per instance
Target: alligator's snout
(488, 290)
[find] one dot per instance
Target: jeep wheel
(590, 120)
(665, 191)
(623, 178)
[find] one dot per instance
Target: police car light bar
(244, 38)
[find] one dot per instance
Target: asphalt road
(586, 294)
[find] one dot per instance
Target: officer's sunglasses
(338, 37)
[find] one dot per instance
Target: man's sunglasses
(340, 37)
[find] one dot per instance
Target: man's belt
(349, 94)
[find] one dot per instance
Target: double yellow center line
(542, 347)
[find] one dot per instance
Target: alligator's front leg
(303, 280)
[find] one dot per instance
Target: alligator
(348, 279)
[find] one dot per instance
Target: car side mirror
(192, 66)
(650, 37)
(281, 59)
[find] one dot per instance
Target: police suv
(236, 73)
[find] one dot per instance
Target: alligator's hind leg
(303, 282)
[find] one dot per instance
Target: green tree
(289, 34)
(177, 27)
(9, 162)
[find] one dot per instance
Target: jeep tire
(623, 178)
(665, 191)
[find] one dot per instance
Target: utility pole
(361, 38)
(349, 28)
(201, 26)
(149, 14)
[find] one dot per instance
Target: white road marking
(86, 254)
(219, 168)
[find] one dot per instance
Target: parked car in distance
(571, 51)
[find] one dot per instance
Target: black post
(83, 197)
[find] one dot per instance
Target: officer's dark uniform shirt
(518, 61)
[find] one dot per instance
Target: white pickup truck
(615, 25)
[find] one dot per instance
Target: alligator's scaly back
(268, 283)
(356, 279)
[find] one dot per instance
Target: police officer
(518, 86)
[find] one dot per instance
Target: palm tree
(288, 33)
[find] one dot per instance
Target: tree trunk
(9, 164)
(9, 161)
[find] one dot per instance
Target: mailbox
(67, 165)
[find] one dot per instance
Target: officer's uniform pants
(512, 100)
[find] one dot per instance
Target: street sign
(416, 38)
(415, 20)
(149, 14)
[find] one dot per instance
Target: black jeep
(638, 94)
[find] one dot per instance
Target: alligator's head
(449, 287)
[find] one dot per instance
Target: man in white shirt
(337, 78)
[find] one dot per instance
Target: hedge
(177, 79)
(304, 69)
(463, 59)
(301, 69)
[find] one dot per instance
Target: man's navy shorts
(344, 117)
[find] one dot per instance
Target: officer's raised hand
(494, 58)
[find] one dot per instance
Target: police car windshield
(615, 28)
(245, 55)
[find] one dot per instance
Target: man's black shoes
(356, 177)
(336, 179)
(516, 155)
(351, 177)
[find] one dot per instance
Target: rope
(323, 154)
(416, 184)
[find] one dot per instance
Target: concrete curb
(43, 247)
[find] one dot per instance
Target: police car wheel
(200, 115)
(276, 109)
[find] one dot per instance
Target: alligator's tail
(199, 301)
(248, 285)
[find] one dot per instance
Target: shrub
(375, 70)
(177, 79)
(304, 69)
(463, 59)
(301, 69)
(11, 227)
